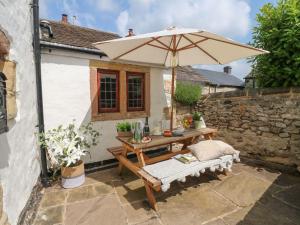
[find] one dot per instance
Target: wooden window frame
(135, 109)
(123, 114)
(114, 72)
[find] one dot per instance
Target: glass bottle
(146, 128)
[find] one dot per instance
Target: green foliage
(66, 144)
(278, 31)
(187, 93)
(123, 127)
(197, 116)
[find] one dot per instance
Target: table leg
(140, 156)
(150, 196)
(124, 153)
(208, 136)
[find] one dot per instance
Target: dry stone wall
(264, 124)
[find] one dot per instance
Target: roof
(76, 36)
(187, 73)
(220, 78)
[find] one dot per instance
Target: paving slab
(291, 196)
(138, 212)
(53, 198)
(260, 172)
(216, 222)
(278, 208)
(153, 221)
(88, 192)
(130, 190)
(102, 210)
(243, 189)
(50, 216)
(256, 215)
(194, 207)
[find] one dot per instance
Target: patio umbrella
(177, 47)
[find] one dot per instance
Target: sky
(232, 18)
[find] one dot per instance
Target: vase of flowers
(65, 147)
(198, 120)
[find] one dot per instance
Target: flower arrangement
(66, 145)
(187, 122)
(197, 116)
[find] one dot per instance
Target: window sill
(119, 116)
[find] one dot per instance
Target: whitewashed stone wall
(66, 93)
(19, 159)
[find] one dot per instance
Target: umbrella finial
(171, 28)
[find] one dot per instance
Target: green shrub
(187, 93)
(278, 31)
(123, 127)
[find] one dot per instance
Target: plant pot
(124, 134)
(197, 124)
(73, 176)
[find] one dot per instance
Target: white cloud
(106, 5)
(76, 15)
(240, 68)
(227, 17)
(122, 22)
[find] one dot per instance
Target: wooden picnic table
(188, 138)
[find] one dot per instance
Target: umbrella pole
(172, 97)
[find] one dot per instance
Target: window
(119, 91)
(135, 91)
(108, 91)
(3, 111)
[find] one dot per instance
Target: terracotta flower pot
(73, 176)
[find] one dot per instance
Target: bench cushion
(211, 149)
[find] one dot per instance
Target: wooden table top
(161, 140)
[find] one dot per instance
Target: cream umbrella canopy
(177, 47)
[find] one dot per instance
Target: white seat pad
(172, 169)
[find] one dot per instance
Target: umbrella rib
(169, 48)
(201, 49)
(228, 42)
(156, 46)
(178, 41)
(191, 45)
(137, 47)
(161, 43)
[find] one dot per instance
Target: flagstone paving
(247, 196)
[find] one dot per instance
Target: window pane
(108, 92)
(135, 92)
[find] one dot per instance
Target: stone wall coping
(250, 92)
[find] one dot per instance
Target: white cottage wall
(66, 92)
(19, 158)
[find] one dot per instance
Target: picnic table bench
(151, 183)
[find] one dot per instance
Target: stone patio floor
(249, 195)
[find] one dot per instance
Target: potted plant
(65, 147)
(124, 129)
(197, 118)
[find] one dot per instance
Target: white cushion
(211, 149)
